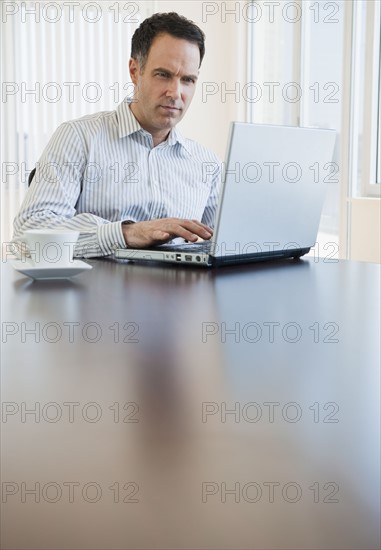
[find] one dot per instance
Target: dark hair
(164, 23)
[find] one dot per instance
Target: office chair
(31, 176)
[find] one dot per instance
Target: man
(128, 178)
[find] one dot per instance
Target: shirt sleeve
(51, 199)
(209, 214)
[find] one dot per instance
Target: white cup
(50, 247)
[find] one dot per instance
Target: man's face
(164, 91)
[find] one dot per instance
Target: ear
(134, 70)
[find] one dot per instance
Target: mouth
(170, 109)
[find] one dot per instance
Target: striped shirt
(102, 169)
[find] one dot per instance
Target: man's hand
(154, 232)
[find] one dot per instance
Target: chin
(169, 123)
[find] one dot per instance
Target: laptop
(274, 182)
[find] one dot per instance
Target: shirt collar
(128, 125)
(126, 121)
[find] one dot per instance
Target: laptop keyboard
(201, 247)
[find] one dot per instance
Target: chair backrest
(31, 176)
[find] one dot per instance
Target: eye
(189, 80)
(162, 74)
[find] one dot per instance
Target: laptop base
(205, 260)
(259, 257)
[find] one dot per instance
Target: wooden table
(174, 407)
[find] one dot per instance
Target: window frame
(370, 158)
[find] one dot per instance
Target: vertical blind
(60, 60)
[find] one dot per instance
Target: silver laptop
(273, 188)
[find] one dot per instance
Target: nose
(174, 89)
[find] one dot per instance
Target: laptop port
(178, 257)
(198, 258)
(188, 258)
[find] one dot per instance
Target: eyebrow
(162, 69)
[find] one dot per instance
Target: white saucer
(35, 272)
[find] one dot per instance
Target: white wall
(365, 224)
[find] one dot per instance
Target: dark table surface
(175, 407)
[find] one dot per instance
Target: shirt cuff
(110, 237)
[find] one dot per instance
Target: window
(296, 60)
(366, 98)
(378, 169)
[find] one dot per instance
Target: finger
(197, 228)
(180, 231)
(203, 225)
(159, 235)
